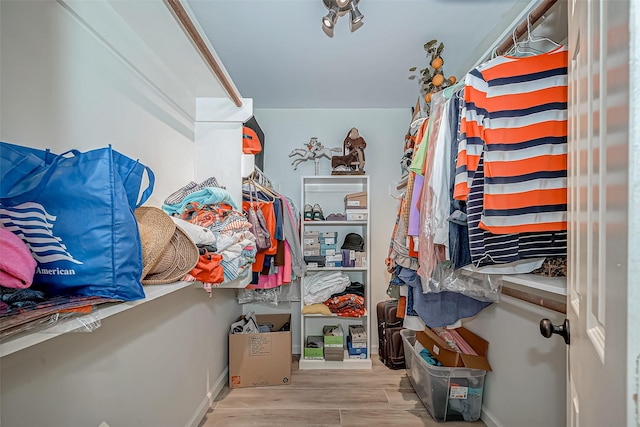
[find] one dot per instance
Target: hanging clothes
(516, 113)
(512, 161)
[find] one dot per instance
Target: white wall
(63, 87)
(528, 383)
(383, 129)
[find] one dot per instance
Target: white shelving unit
(329, 192)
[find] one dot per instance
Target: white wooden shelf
(330, 316)
(331, 364)
(533, 282)
(329, 193)
(337, 268)
(27, 339)
(325, 223)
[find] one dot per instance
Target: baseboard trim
(209, 398)
(489, 419)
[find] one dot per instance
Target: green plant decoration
(431, 79)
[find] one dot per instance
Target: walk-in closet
(319, 212)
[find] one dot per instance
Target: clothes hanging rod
(185, 20)
(547, 303)
(521, 29)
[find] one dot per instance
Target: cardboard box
(334, 258)
(311, 252)
(316, 260)
(357, 336)
(348, 258)
(261, 359)
(333, 264)
(356, 352)
(333, 340)
(310, 234)
(327, 252)
(357, 333)
(328, 234)
(356, 200)
(314, 348)
(309, 245)
(361, 260)
(449, 357)
(334, 354)
(327, 241)
(356, 215)
(310, 241)
(326, 246)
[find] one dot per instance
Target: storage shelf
(27, 339)
(334, 316)
(337, 268)
(329, 192)
(554, 285)
(330, 364)
(325, 223)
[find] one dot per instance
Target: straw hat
(167, 251)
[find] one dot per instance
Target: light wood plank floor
(380, 397)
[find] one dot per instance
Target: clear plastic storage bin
(449, 394)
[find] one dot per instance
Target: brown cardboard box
(356, 200)
(261, 359)
(449, 357)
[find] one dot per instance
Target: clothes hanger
(264, 189)
(524, 47)
(417, 122)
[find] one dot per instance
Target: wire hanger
(524, 47)
(533, 39)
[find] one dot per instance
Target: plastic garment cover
(436, 271)
(428, 254)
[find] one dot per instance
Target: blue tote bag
(17, 162)
(75, 212)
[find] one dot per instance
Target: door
(600, 293)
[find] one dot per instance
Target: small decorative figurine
(353, 159)
(315, 150)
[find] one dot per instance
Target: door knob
(547, 329)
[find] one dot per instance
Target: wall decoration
(353, 159)
(431, 78)
(314, 151)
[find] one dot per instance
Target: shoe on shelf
(308, 213)
(337, 217)
(317, 213)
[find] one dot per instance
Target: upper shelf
(553, 285)
(27, 339)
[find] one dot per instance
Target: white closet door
(599, 258)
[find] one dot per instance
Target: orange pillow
(250, 142)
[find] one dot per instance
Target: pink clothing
(414, 213)
(282, 276)
(17, 265)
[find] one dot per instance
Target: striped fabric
(515, 113)
(489, 249)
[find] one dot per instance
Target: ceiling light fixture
(338, 8)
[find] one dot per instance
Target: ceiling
(277, 53)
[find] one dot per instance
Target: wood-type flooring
(327, 398)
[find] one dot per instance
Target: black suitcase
(390, 347)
